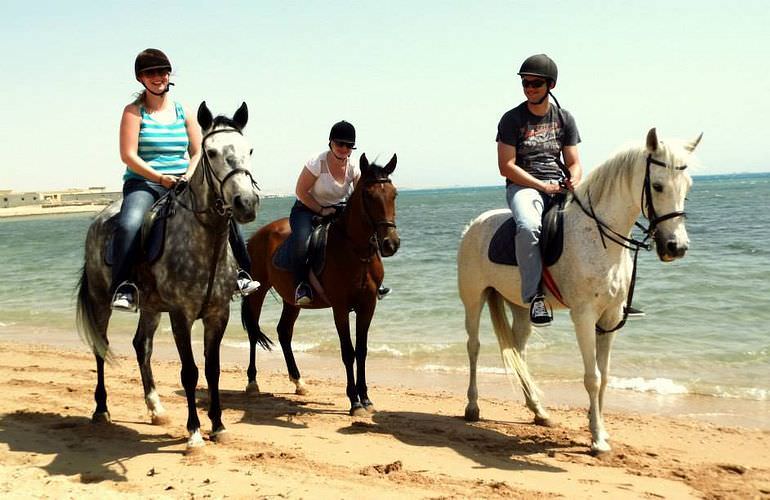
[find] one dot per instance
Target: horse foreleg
(285, 333)
(603, 352)
(180, 325)
(586, 338)
(145, 332)
(472, 317)
(342, 322)
(521, 329)
(101, 414)
(363, 321)
(214, 329)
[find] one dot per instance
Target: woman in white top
(326, 180)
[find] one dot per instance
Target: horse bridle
(605, 231)
(375, 239)
(220, 207)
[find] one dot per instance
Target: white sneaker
(124, 299)
(246, 285)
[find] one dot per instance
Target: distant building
(91, 196)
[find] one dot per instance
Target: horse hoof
(195, 442)
(221, 436)
(471, 414)
(301, 391)
(162, 419)
(370, 409)
(357, 410)
(600, 449)
(544, 422)
(101, 418)
(252, 389)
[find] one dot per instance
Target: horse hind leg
(251, 310)
(473, 308)
(145, 332)
(521, 329)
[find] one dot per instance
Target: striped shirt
(162, 146)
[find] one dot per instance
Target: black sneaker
(382, 292)
(124, 298)
(538, 312)
(634, 312)
(303, 295)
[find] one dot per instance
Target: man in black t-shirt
(532, 139)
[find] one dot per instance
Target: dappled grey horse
(193, 278)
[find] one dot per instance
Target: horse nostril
(238, 202)
(673, 249)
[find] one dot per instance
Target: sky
(428, 80)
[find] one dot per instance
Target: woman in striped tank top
(159, 140)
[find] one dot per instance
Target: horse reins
(632, 244)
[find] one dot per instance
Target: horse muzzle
(670, 249)
(245, 208)
(390, 243)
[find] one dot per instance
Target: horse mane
(224, 121)
(605, 178)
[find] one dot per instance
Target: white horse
(594, 273)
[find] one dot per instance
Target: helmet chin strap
(168, 87)
(549, 94)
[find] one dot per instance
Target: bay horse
(352, 273)
(595, 274)
(193, 278)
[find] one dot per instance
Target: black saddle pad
(316, 254)
(502, 248)
(153, 231)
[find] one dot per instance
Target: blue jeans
(138, 196)
(528, 206)
(301, 222)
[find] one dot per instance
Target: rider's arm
(506, 162)
(129, 148)
(572, 161)
(194, 137)
(304, 184)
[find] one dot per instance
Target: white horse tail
(512, 359)
(87, 322)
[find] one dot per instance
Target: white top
(326, 190)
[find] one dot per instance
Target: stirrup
(245, 284)
(130, 307)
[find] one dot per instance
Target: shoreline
(417, 445)
(409, 376)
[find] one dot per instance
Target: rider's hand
(571, 183)
(327, 211)
(550, 188)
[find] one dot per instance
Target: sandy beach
(283, 445)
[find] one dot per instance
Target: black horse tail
(86, 321)
(252, 327)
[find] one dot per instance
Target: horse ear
(652, 140)
(205, 119)
(691, 145)
(241, 116)
(391, 166)
(363, 164)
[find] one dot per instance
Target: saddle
(152, 233)
(502, 247)
(316, 252)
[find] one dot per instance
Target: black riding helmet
(343, 132)
(151, 59)
(539, 65)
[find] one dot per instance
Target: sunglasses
(152, 73)
(344, 144)
(535, 84)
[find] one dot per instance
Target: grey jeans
(528, 206)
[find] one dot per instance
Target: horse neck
(354, 223)
(614, 193)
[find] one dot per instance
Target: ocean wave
(656, 385)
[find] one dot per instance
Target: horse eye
(251, 151)
(211, 153)
(657, 187)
